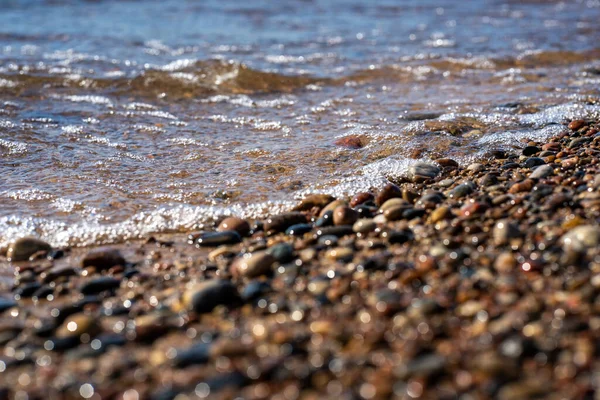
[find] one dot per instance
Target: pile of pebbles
(480, 281)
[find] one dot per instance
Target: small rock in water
(214, 239)
(281, 222)
(315, 200)
(239, 225)
(103, 258)
(581, 238)
(25, 247)
(253, 265)
(389, 191)
(205, 296)
(421, 171)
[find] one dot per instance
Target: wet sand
(478, 280)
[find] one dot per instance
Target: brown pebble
(447, 162)
(103, 258)
(576, 124)
(389, 191)
(361, 198)
(253, 265)
(524, 186)
(351, 142)
(314, 200)
(239, 225)
(344, 215)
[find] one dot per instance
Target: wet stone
(531, 150)
(533, 162)
(361, 198)
(325, 220)
(282, 252)
(103, 258)
(581, 238)
(422, 171)
(253, 265)
(576, 124)
(58, 272)
(25, 247)
(462, 190)
(315, 200)
(98, 285)
(236, 224)
(281, 222)
(339, 231)
(543, 171)
(578, 142)
(364, 226)
(254, 290)
(398, 237)
(214, 239)
(328, 240)
(389, 191)
(344, 216)
(205, 296)
(332, 206)
(298, 229)
(394, 203)
(6, 304)
(504, 231)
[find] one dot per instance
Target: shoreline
(477, 280)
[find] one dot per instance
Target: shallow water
(122, 118)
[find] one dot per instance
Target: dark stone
(281, 222)
(99, 285)
(214, 239)
(531, 150)
(5, 304)
(325, 220)
(533, 162)
(103, 259)
(339, 231)
(400, 237)
(254, 290)
(194, 355)
(282, 252)
(298, 229)
(27, 290)
(205, 296)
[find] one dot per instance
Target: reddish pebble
(472, 208)
(361, 198)
(524, 186)
(447, 162)
(343, 215)
(389, 191)
(576, 124)
(351, 142)
(239, 225)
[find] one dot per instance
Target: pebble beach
(455, 281)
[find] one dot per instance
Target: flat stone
(103, 258)
(214, 239)
(422, 171)
(581, 238)
(23, 248)
(205, 296)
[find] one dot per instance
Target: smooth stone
(58, 272)
(103, 258)
(100, 284)
(530, 150)
(488, 180)
(27, 290)
(446, 182)
(581, 238)
(76, 325)
(505, 262)
(475, 167)
(447, 162)
(398, 237)
(281, 222)
(254, 290)
(422, 171)
(389, 191)
(205, 296)
(198, 353)
(576, 124)
(5, 304)
(298, 229)
(328, 240)
(325, 220)
(462, 190)
(339, 254)
(339, 231)
(366, 211)
(239, 225)
(282, 252)
(344, 215)
(412, 213)
(23, 248)
(364, 225)
(439, 214)
(386, 301)
(395, 213)
(393, 203)
(221, 252)
(578, 142)
(532, 162)
(432, 197)
(361, 198)
(214, 239)
(504, 231)
(332, 206)
(254, 265)
(541, 172)
(312, 201)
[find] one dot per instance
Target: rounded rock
(239, 225)
(103, 258)
(254, 265)
(205, 296)
(389, 191)
(23, 248)
(421, 171)
(581, 238)
(344, 215)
